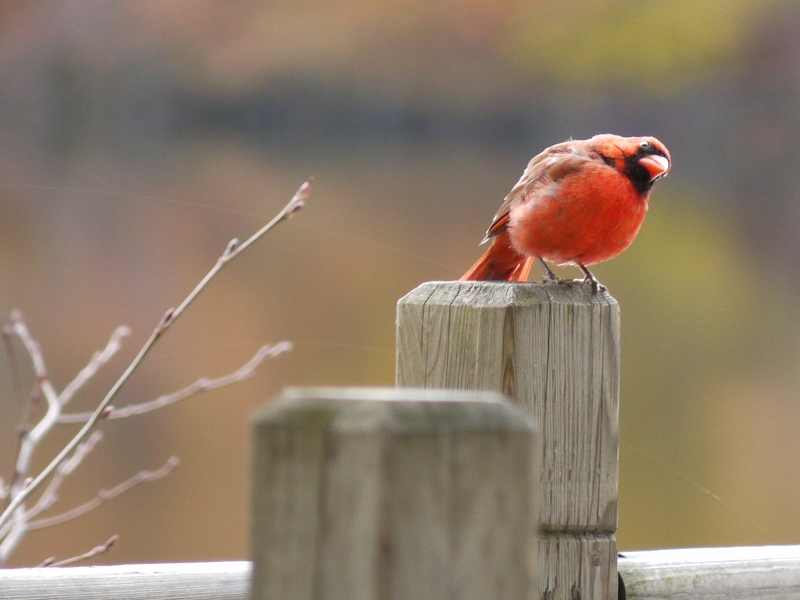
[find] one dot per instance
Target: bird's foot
(590, 279)
(555, 279)
(550, 277)
(597, 287)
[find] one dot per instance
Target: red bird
(577, 203)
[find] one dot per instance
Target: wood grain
(387, 494)
(179, 581)
(752, 573)
(555, 351)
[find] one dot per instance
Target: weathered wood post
(555, 351)
(393, 494)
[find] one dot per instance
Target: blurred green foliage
(647, 45)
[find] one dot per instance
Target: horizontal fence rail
(756, 573)
(171, 581)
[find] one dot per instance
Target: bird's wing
(550, 166)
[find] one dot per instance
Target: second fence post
(390, 494)
(555, 351)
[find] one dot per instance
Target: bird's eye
(645, 145)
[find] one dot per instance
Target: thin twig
(13, 530)
(50, 495)
(101, 549)
(204, 384)
(23, 429)
(98, 360)
(232, 250)
(13, 364)
(105, 495)
(30, 439)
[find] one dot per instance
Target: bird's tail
(501, 262)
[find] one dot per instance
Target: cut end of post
(512, 292)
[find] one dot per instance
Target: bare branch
(203, 384)
(105, 495)
(296, 203)
(233, 249)
(20, 328)
(69, 465)
(30, 439)
(101, 549)
(13, 365)
(50, 495)
(14, 530)
(23, 429)
(97, 361)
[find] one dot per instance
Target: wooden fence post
(555, 351)
(390, 494)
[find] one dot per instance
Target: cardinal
(578, 203)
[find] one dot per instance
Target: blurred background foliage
(137, 138)
(651, 46)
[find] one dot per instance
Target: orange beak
(656, 165)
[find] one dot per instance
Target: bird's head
(644, 160)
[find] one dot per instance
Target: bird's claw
(597, 287)
(551, 278)
(590, 279)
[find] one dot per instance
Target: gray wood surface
(179, 581)
(390, 493)
(757, 573)
(555, 351)
(752, 573)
